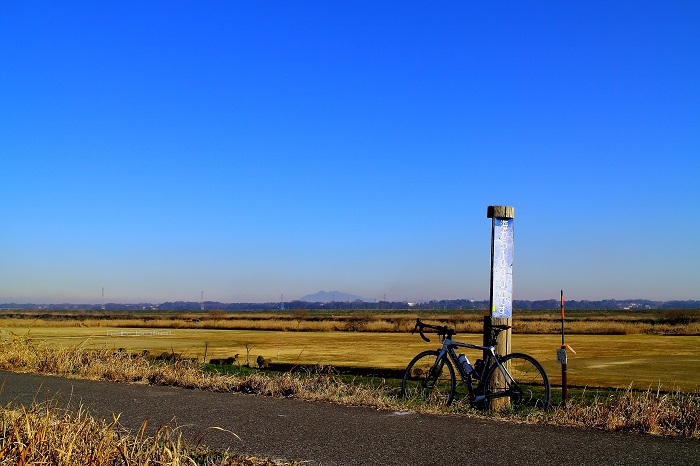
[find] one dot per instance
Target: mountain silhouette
(332, 296)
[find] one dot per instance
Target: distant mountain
(333, 296)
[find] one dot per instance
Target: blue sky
(249, 150)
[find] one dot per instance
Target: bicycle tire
(530, 390)
(426, 380)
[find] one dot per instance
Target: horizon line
(369, 301)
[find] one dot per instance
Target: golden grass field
(524, 322)
(92, 353)
(645, 361)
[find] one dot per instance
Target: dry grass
(25, 355)
(45, 434)
(651, 412)
(600, 360)
(670, 322)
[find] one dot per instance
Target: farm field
(645, 361)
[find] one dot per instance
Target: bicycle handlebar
(420, 326)
(446, 332)
(441, 330)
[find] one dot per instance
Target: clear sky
(254, 149)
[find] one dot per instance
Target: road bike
(515, 378)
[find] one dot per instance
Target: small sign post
(562, 359)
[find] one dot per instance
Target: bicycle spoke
(526, 386)
(426, 382)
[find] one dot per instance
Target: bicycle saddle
(502, 327)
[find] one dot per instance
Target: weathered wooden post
(501, 293)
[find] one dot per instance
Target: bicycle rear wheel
(529, 387)
(429, 380)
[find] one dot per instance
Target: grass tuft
(649, 411)
(45, 434)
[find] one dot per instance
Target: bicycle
(518, 377)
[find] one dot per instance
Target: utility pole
(501, 290)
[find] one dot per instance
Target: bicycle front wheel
(429, 380)
(527, 386)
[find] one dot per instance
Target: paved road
(327, 434)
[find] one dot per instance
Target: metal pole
(564, 381)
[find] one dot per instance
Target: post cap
(500, 211)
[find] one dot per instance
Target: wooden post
(501, 290)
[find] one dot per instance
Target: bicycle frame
(496, 377)
(448, 349)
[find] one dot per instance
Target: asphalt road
(328, 434)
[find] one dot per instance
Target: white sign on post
(561, 355)
(502, 271)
